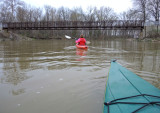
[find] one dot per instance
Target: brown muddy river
(52, 76)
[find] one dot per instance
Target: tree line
(19, 11)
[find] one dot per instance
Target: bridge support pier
(0, 27)
(142, 33)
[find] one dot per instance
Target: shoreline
(17, 37)
(12, 36)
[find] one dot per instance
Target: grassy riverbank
(14, 36)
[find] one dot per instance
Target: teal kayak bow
(128, 93)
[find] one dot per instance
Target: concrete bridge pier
(142, 33)
(0, 27)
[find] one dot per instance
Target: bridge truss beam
(76, 25)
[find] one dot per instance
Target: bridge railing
(111, 24)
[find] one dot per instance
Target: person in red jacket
(81, 40)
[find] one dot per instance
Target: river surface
(52, 76)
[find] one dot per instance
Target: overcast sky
(117, 5)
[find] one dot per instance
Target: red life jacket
(81, 41)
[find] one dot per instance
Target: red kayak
(81, 46)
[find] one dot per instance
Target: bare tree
(47, 12)
(4, 13)
(154, 8)
(141, 7)
(37, 14)
(77, 14)
(91, 13)
(63, 14)
(11, 6)
(53, 14)
(21, 14)
(131, 14)
(105, 13)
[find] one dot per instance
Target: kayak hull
(124, 89)
(81, 46)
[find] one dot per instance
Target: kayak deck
(128, 93)
(81, 46)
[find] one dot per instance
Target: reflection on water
(53, 76)
(81, 53)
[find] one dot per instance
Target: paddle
(68, 37)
